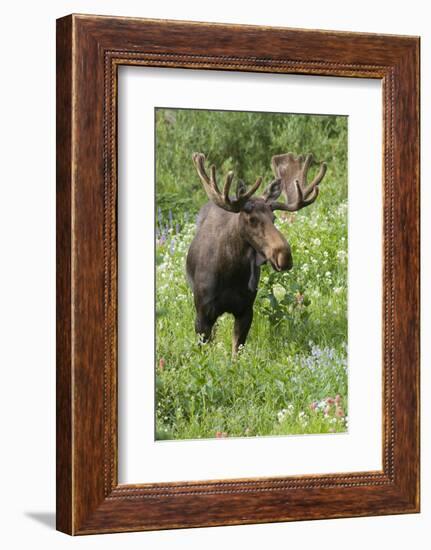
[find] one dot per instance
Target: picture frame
(89, 51)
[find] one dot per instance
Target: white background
(141, 458)
(27, 122)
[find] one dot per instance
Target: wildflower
(342, 255)
(172, 245)
(316, 242)
(330, 400)
(338, 399)
(314, 405)
(339, 412)
(162, 363)
(281, 415)
(299, 298)
(302, 417)
(279, 291)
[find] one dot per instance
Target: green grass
(294, 363)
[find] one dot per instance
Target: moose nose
(283, 260)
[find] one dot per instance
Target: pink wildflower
(299, 298)
(339, 412)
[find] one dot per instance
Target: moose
(235, 235)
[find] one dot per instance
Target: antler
(222, 199)
(293, 172)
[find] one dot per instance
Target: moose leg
(240, 330)
(203, 327)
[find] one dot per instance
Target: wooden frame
(89, 51)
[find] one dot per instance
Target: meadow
(291, 376)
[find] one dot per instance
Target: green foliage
(294, 364)
(240, 141)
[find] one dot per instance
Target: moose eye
(253, 220)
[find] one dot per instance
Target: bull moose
(236, 235)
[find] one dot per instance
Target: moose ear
(273, 191)
(248, 207)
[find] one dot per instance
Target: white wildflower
(342, 255)
(281, 415)
(279, 291)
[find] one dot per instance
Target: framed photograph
(237, 274)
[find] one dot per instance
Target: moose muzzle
(282, 259)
